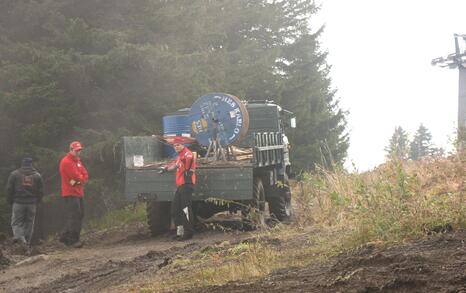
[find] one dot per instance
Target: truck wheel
(253, 216)
(158, 217)
(280, 206)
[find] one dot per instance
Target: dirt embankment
(436, 264)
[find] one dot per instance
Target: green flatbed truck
(260, 176)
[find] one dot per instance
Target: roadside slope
(435, 264)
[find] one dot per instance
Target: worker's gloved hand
(162, 170)
(188, 176)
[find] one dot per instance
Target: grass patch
(246, 261)
(133, 213)
(395, 202)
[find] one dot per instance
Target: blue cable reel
(221, 116)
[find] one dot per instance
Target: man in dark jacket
(24, 191)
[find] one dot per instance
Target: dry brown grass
(396, 201)
(335, 211)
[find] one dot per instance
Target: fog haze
(380, 53)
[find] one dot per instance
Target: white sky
(380, 52)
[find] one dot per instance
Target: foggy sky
(380, 53)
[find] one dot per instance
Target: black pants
(183, 200)
(74, 210)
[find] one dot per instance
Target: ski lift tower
(453, 61)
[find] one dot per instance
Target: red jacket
(185, 161)
(71, 168)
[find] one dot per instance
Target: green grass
(127, 215)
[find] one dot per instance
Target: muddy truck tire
(158, 217)
(253, 215)
(280, 206)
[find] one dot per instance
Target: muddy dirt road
(122, 259)
(109, 261)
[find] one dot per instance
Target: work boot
(21, 240)
(19, 248)
(185, 237)
(179, 233)
(65, 239)
(77, 244)
(33, 250)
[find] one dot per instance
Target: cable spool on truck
(242, 160)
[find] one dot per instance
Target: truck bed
(225, 181)
(200, 163)
(228, 180)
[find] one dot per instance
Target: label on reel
(219, 115)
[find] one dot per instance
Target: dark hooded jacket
(24, 186)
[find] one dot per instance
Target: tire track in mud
(113, 259)
(114, 273)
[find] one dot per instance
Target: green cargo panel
(146, 148)
(230, 183)
(149, 184)
(225, 183)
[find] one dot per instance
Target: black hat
(26, 162)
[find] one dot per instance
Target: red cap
(178, 140)
(76, 146)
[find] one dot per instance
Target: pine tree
(93, 70)
(421, 145)
(398, 146)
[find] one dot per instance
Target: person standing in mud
(73, 178)
(181, 208)
(24, 191)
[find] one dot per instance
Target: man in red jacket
(73, 177)
(181, 208)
